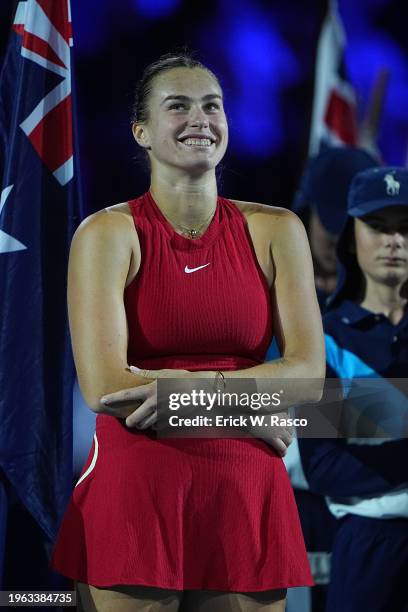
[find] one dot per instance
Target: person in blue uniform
(321, 200)
(366, 331)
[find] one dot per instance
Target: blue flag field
(39, 211)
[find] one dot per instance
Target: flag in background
(39, 211)
(334, 113)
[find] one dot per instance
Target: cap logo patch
(393, 186)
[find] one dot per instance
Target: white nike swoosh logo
(188, 270)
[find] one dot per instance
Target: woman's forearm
(282, 368)
(118, 379)
(301, 381)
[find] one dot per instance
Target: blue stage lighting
(90, 23)
(156, 9)
(256, 124)
(367, 55)
(365, 58)
(262, 65)
(258, 51)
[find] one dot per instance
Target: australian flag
(39, 211)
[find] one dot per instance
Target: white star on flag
(8, 244)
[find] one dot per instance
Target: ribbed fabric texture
(216, 514)
(217, 317)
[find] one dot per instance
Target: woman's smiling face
(186, 126)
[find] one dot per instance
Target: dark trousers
(369, 566)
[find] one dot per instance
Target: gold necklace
(193, 232)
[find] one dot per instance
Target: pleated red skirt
(216, 514)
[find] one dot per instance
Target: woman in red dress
(181, 282)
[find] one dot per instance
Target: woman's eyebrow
(188, 99)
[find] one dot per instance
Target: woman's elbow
(316, 394)
(93, 402)
(91, 395)
(315, 374)
(96, 381)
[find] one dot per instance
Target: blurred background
(264, 53)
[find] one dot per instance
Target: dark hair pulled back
(140, 111)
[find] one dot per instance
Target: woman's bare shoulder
(268, 217)
(109, 223)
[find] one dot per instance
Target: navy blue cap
(326, 181)
(370, 190)
(378, 188)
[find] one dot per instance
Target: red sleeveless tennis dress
(216, 514)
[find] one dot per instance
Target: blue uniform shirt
(366, 477)
(360, 342)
